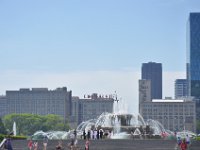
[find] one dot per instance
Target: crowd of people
(87, 136)
(33, 145)
(93, 134)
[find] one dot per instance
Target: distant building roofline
(167, 100)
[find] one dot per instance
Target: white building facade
(175, 115)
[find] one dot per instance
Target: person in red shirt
(87, 143)
(30, 144)
(183, 145)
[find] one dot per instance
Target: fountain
(121, 124)
(52, 135)
(118, 125)
(184, 133)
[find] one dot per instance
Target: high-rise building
(153, 71)
(193, 58)
(193, 54)
(181, 89)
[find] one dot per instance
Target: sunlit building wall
(40, 101)
(144, 92)
(175, 115)
(91, 107)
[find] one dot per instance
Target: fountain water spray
(14, 129)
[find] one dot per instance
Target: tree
(27, 124)
(2, 127)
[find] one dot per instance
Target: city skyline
(92, 46)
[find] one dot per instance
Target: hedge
(12, 137)
(197, 138)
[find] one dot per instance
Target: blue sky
(93, 35)
(58, 38)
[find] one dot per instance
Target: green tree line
(28, 124)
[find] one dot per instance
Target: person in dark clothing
(101, 134)
(88, 134)
(84, 135)
(45, 141)
(5, 144)
(8, 144)
(75, 133)
(97, 134)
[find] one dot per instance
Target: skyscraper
(193, 58)
(193, 54)
(153, 71)
(181, 89)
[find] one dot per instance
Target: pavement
(111, 144)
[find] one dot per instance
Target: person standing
(101, 134)
(91, 134)
(45, 141)
(88, 134)
(72, 140)
(179, 141)
(183, 145)
(87, 144)
(9, 144)
(187, 139)
(95, 134)
(35, 145)
(84, 135)
(75, 133)
(30, 144)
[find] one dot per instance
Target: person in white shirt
(91, 134)
(95, 134)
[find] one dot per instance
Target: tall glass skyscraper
(193, 58)
(153, 71)
(193, 54)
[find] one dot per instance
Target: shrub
(12, 137)
(197, 138)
